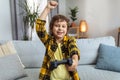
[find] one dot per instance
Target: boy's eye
(64, 26)
(56, 25)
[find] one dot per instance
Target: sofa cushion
(108, 58)
(30, 52)
(89, 48)
(10, 68)
(89, 72)
(33, 74)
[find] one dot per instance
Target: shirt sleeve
(41, 31)
(73, 49)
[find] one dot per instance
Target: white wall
(5, 20)
(102, 16)
(62, 7)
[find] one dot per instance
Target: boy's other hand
(74, 65)
(52, 4)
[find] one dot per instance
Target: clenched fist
(52, 4)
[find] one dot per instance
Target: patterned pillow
(8, 48)
(1, 52)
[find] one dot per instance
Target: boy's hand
(74, 64)
(52, 4)
(49, 6)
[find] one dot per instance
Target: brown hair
(57, 18)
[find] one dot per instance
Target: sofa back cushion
(30, 52)
(108, 58)
(89, 48)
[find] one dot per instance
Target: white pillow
(7, 49)
(11, 68)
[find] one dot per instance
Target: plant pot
(27, 32)
(73, 24)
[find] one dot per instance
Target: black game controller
(54, 64)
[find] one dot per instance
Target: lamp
(83, 27)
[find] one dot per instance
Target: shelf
(74, 31)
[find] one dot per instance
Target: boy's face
(59, 29)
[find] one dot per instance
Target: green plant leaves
(29, 17)
(73, 13)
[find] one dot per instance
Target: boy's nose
(60, 27)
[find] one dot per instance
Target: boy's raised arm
(50, 5)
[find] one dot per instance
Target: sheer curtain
(16, 19)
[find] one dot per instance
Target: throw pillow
(7, 49)
(10, 68)
(108, 58)
(1, 52)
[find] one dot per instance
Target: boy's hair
(57, 18)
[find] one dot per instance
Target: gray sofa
(31, 54)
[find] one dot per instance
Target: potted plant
(29, 17)
(73, 15)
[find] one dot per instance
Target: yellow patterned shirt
(60, 73)
(68, 48)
